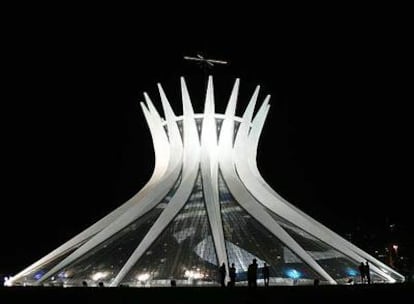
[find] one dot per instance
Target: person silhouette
(252, 274)
(266, 274)
(361, 269)
(232, 274)
(222, 272)
(367, 274)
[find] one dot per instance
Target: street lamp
(395, 247)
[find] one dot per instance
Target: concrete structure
(205, 204)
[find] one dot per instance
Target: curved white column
(245, 152)
(247, 201)
(245, 159)
(190, 168)
(209, 174)
(153, 196)
(162, 156)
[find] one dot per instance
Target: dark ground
(390, 293)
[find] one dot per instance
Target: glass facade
(340, 267)
(247, 239)
(38, 272)
(184, 251)
(103, 263)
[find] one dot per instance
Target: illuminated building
(206, 203)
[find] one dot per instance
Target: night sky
(75, 145)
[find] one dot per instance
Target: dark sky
(336, 143)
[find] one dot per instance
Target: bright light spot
(293, 273)
(99, 275)
(63, 274)
(395, 247)
(38, 275)
(7, 282)
(143, 277)
(351, 272)
(193, 274)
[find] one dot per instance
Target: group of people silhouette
(364, 273)
(251, 275)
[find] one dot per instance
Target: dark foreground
(390, 293)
